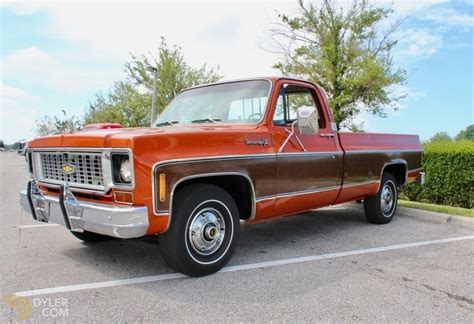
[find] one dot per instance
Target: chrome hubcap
(206, 231)
(387, 198)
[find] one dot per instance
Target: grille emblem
(68, 168)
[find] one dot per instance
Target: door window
(289, 100)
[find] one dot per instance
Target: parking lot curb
(434, 217)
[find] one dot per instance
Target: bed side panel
(366, 155)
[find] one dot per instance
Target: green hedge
(449, 168)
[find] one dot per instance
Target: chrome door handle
(327, 135)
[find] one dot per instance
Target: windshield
(235, 102)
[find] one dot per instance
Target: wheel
(379, 209)
(90, 237)
(204, 230)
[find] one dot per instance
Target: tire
(379, 209)
(90, 237)
(204, 230)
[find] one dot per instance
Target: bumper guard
(112, 220)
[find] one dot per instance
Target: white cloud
(438, 20)
(451, 18)
(224, 34)
(13, 93)
(405, 95)
(37, 67)
(17, 113)
(22, 7)
(418, 43)
(30, 60)
(361, 121)
(227, 34)
(409, 7)
(368, 121)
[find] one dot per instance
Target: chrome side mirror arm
(290, 134)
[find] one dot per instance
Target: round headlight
(126, 170)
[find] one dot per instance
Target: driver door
(309, 165)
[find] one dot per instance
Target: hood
(125, 137)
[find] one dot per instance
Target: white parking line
(139, 280)
(331, 208)
(39, 225)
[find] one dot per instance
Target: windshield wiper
(207, 120)
(167, 123)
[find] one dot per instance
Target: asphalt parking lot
(329, 265)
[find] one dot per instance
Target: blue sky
(58, 55)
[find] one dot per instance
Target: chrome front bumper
(79, 216)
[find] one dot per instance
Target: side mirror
(308, 120)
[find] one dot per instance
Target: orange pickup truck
(246, 150)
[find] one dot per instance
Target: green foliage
(440, 137)
(467, 134)
(174, 74)
(129, 101)
(449, 168)
(48, 125)
(347, 53)
(123, 104)
(15, 146)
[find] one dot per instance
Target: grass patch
(437, 208)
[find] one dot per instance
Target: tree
(123, 104)
(440, 137)
(47, 125)
(174, 74)
(129, 101)
(344, 51)
(15, 146)
(467, 134)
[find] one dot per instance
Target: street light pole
(92, 112)
(155, 90)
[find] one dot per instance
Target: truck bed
(366, 155)
(378, 141)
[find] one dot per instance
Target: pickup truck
(219, 155)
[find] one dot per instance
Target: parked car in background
(22, 147)
(248, 150)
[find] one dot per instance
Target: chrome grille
(86, 168)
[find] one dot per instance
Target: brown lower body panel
(285, 185)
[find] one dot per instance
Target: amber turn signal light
(162, 187)
(123, 197)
